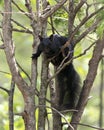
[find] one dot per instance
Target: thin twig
(82, 124)
(52, 10)
(23, 71)
(29, 8)
(22, 31)
(84, 20)
(4, 89)
(5, 72)
(91, 28)
(22, 11)
(78, 7)
(52, 108)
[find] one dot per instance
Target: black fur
(68, 78)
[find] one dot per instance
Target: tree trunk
(57, 125)
(27, 92)
(93, 65)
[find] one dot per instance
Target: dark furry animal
(68, 79)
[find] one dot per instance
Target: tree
(81, 23)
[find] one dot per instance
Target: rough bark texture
(93, 65)
(11, 114)
(55, 104)
(42, 96)
(101, 95)
(9, 48)
(28, 115)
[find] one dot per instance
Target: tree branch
(11, 114)
(29, 8)
(52, 108)
(4, 89)
(20, 9)
(86, 125)
(52, 10)
(93, 65)
(20, 25)
(9, 49)
(91, 28)
(84, 20)
(24, 71)
(77, 8)
(22, 31)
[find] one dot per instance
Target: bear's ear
(40, 37)
(51, 37)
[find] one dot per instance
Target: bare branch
(63, 7)
(85, 19)
(20, 9)
(77, 8)
(91, 28)
(4, 89)
(52, 10)
(29, 8)
(22, 31)
(24, 71)
(5, 72)
(26, 30)
(52, 108)
(82, 124)
(18, 24)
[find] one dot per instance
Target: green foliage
(23, 44)
(60, 19)
(100, 29)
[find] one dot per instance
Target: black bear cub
(68, 79)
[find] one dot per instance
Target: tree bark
(28, 114)
(93, 65)
(57, 125)
(101, 95)
(11, 113)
